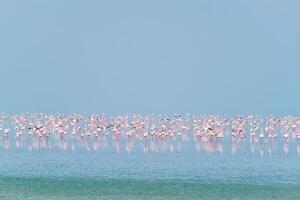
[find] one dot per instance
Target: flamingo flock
(154, 132)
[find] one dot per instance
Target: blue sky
(222, 57)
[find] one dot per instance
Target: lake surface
(181, 169)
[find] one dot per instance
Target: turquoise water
(89, 188)
(263, 171)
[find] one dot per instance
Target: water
(88, 188)
(189, 171)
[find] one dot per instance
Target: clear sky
(164, 56)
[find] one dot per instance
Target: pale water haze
(221, 57)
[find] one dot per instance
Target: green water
(89, 188)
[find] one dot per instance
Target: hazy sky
(223, 57)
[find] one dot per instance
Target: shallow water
(89, 188)
(189, 171)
